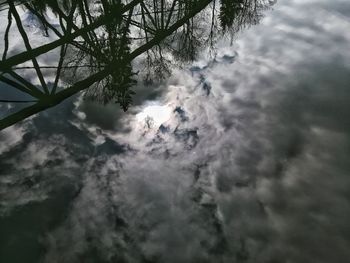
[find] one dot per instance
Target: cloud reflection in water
(253, 171)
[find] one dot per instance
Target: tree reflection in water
(99, 40)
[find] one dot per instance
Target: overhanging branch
(54, 99)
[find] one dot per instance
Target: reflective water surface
(241, 155)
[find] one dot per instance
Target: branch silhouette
(97, 42)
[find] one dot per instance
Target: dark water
(241, 158)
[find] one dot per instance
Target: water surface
(242, 157)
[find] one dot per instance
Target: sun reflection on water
(154, 115)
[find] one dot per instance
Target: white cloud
(252, 169)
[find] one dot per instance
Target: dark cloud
(255, 170)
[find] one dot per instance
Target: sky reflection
(244, 158)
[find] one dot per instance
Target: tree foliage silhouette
(98, 41)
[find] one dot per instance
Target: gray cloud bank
(252, 165)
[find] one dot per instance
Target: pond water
(239, 157)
